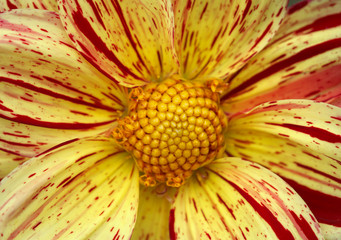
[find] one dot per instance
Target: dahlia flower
(180, 119)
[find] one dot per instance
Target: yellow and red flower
(227, 112)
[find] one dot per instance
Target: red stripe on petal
(56, 125)
(266, 31)
(58, 146)
(88, 31)
(54, 94)
(127, 31)
(322, 23)
(298, 6)
(300, 56)
(246, 10)
(304, 225)
(338, 180)
(266, 214)
(172, 233)
(315, 132)
(11, 5)
(326, 208)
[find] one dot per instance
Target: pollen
(172, 129)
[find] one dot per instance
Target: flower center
(173, 128)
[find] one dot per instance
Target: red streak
(64, 181)
(297, 6)
(88, 31)
(322, 23)
(172, 233)
(262, 36)
(326, 208)
(228, 209)
(338, 180)
(246, 10)
(280, 231)
(298, 57)
(35, 226)
(54, 94)
(11, 5)
(58, 146)
(304, 225)
(314, 132)
(56, 125)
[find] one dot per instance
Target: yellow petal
(214, 39)
(153, 214)
(299, 140)
(301, 62)
(9, 161)
(38, 4)
(236, 199)
(130, 40)
(330, 232)
(49, 92)
(84, 189)
(311, 124)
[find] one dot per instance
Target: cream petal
(214, 39)
(299, 140)
(302, 61)
(330, 232)
(236, 199)
(49, 92)
(130, 40)
(37, 4)
(83, 189)
(9, 161)
(153, 214)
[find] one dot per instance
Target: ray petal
(37, 4)
(48, 92)
(300, 140)
(214, 39)
(131, 41)
(153, 214)
(83, 189)
(9, 161)
(237, 199)
(302, 61)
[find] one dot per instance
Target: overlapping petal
(216, 38)
(9, 161)
(131, 41)
(37, 4)
(48, 92)
(302, 61)
(236, 199)
(83, 189)
(300, 140)
(153, 214)
(330, 232)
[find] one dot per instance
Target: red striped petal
(153, 214)
(37, 4)
(300, 140)
(83, 189)
(302, 61)
(131, 41)
(9, 161)
(236, 199)
(216, 38)
(49, 92)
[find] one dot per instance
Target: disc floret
(172, 129)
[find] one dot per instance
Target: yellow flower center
(172, 129)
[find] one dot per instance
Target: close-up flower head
(170, 119)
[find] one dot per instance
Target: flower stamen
(217, 85)
(173, 128)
